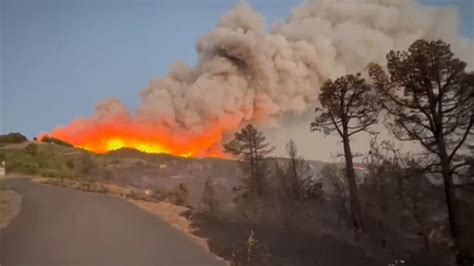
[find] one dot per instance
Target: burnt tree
(209, 197)
(295, 169)
(348, 107)
(430, 97)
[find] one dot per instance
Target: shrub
(70, 163)
(181, 194)
(13, 138)
(31, 149)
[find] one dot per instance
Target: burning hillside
(247, 74)
(119, 131)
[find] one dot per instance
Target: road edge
(10, 206)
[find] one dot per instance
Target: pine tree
(249, 146)
(430, 98)
(348, 107)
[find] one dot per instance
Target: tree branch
(464, 137)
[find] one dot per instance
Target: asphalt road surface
(58, 226)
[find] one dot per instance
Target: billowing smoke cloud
(246, 73)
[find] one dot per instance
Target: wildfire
(104, 137)
(116, 144)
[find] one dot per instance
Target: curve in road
(59, 226)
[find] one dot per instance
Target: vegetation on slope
(12, 138)
(47, 160)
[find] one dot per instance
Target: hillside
(159, 173)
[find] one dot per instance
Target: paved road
(63, 227)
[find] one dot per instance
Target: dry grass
(10, 204)
(88, 186)
(17, 146)
(74, 184)
(171, 214)
(118, 191)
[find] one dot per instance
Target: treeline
(12, 138)
(424, 96)
(15, 138)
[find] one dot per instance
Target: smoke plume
(248, 74)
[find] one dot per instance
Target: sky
(58, 59)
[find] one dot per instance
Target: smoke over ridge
(246, 73)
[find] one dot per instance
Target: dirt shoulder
(88, 186)
(10, 205)
(172, 214)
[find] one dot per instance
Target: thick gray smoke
(246, 73)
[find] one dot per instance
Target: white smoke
(248, 74)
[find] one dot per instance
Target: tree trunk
(450, 197)
(463, 255)
(294, 183)
(353, 191)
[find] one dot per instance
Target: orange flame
(116, 134)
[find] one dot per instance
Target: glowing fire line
(103, 143)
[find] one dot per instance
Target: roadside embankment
(10, 204)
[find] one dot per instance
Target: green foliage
(45, 160)
(13, 138)
(18, 160)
